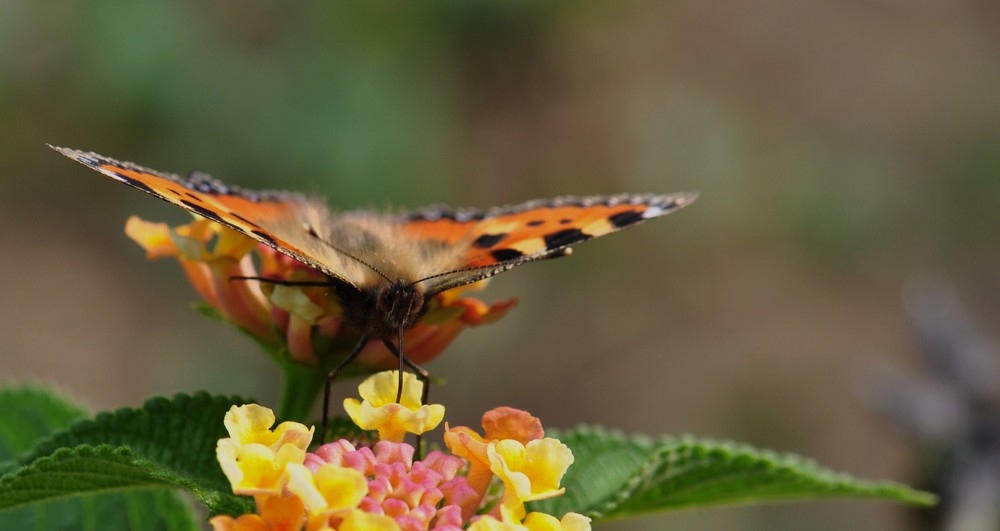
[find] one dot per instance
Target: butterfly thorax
(382, 311)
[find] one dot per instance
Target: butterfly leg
(329, 381)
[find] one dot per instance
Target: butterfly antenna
(453, 271)
(499, 265)
(460, 270)
(312, 232)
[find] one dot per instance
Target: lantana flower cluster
(304, 321)
(341, 486)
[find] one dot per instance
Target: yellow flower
(529, 471)
(254, 456)
(252, 423)
(358, 520)
(255, 469)
(534, 522)
(488, 523)
(344, 488)
(498, 424)
(379, 410)
(546, 522)
(330, 491)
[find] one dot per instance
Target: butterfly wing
(499, 239)
(439, 248)
(277, 219)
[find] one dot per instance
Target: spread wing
(280, 220)
(499, 239)
(437, 248)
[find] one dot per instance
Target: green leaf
(81, 470)
(173, 440)
(93, 488)
(32, 413)
(29, 414)
(141, 510)
(615, 476)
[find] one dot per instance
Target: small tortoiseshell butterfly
(383, 268)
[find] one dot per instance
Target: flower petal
(379, 410)
(246, 522)
(153, 237)
(546, 522)
(509, 423)
(251, 423)
(488, 523)
(332, 489)
(362, 521)
(532, 471)
(382, 388)
(254, 469)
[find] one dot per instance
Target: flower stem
(300, 387)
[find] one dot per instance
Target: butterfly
(384, 268)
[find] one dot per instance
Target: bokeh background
(842, 149)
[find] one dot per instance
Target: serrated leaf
(615, 476)
(141, 510)
(111, 487)
(29, 414)
(86, 470)
(32, 413)
(173, 439)
(179, 433)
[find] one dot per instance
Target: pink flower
(346, 487)
(418, 495)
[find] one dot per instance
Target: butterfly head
(400, 304)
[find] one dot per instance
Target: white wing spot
(653, 211)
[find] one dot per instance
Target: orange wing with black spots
(273, 218)
(502, 238)
(435, 249)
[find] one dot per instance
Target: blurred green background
(839, 147)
